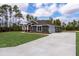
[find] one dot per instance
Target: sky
(64, 11)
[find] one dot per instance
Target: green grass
(77, 43)
(9, 39)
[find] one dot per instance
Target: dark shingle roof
(44, 22)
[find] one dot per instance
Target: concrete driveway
(56, 44)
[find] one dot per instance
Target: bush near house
(13, 28)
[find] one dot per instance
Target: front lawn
(77, 43)
(9, 39)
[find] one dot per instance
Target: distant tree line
(70, 26)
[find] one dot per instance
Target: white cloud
(24, 14)
(66, 19)
(67, 11)
(62, 19)
(46, 11)
(61, 5)
(38, 5)
(69, 8)
(22, 6)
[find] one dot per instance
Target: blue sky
(31, 8)
(64, 11)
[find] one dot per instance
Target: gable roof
(44, 22)
(41, 22)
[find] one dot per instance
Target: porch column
(36, 28)
(27, 28)
(41, 28)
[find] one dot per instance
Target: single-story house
(42, 26)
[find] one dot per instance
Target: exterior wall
(51, 28)
(36, 28)
(40, 28)
(45, 29)
(33, 29)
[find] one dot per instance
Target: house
(42, 26)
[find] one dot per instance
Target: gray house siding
(40, 28)
(45, 29)
(33, 29)
(51, 28)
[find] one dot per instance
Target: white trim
(39, 28)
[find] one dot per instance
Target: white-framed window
(39, 28)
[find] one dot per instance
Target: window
(39, 28)
(0, 19)
(34, 28)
